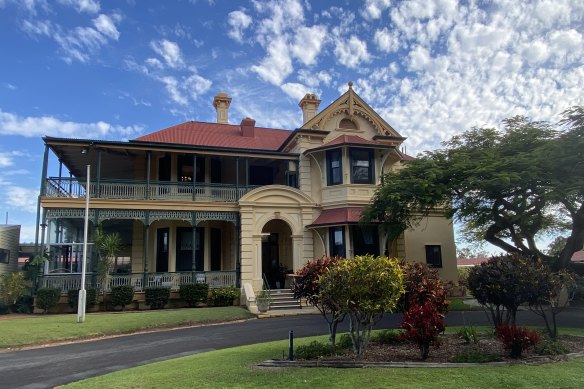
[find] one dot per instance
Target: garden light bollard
(291, 346)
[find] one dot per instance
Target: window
(362, 166)
(185, 168)
(335, 167)
(4, 256)
(337, 241)
(433, 256)
(365, 240)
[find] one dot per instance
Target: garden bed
(487, 351)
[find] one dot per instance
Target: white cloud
(10, 86)
(277, 65)
(239, 22)
(154, 62)
(197, 85)
(374, 8)
(352, 53)
(6, 159)
(308, 43)
(79, 43)
(172, 88)
(36, 126)
(105, 25)
(169, 51)
(24, 199)
(386, 41)
(89, 6)
(295, 91)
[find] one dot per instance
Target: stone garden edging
(536, 360)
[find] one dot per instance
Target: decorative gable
(350, 105)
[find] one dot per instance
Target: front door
(162, 235)
(184, 249)
(271, 260)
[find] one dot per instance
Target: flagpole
(82, 292)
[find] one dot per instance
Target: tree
(364, 287)
(502, 284)
(307, 286)
(508, 187)
(108, 246)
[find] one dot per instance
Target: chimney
(247, 127)
(309, 105)
(221, 103)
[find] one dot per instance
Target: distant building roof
(217, 135)
(577, 257)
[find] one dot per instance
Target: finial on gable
(350, 84)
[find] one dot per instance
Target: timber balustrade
(215, 279)
(62, 187)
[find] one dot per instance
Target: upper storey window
(334, 167)
(362, 166)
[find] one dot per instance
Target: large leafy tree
(508, 186)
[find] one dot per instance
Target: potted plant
(263, 301)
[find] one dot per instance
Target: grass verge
(458, 304)
(54, 328)
(235, 368)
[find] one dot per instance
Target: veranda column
(146, 244)
(238, 252)
(42, 193)
(148, 166)
(193, 247)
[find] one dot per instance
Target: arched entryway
(277, 253)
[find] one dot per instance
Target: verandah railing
(63, 187)
(215, 279)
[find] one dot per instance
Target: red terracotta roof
(338, 216)
(217, 135)
(348, 140)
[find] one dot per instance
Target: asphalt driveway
(47, 367)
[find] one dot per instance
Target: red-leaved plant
(516, 339)
(423, 323)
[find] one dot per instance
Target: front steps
(283, 299)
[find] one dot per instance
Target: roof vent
(248, 127)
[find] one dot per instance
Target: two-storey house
(232, 204)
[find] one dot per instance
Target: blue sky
(120, 69)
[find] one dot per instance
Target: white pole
(82, 292)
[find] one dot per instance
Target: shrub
(344, 342)
(24, 304)
(307, 286)
(47, 298)
(313, 350)
(386, 337)
(364, 287)
(550, 347)
(12, 287)
(501, 285)
(90, 297)
(423, 323)
(475, 356)
(122, 295)
(194, 293)
(423, 285)
(516, 339)
(4, 309)
(223, 297)
(156, 296)
(468, 334)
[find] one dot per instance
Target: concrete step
(283, 299)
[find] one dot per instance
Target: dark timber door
(271, 259)
(184, 249)
(215, 249)
(162, 250)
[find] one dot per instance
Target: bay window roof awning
(337, 216)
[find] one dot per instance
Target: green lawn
(458, 304)
(235, 368)
(52, 328)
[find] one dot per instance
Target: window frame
(332, 243)
(5, 256)
(370, 168)
(431, 259)
(329, 166)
